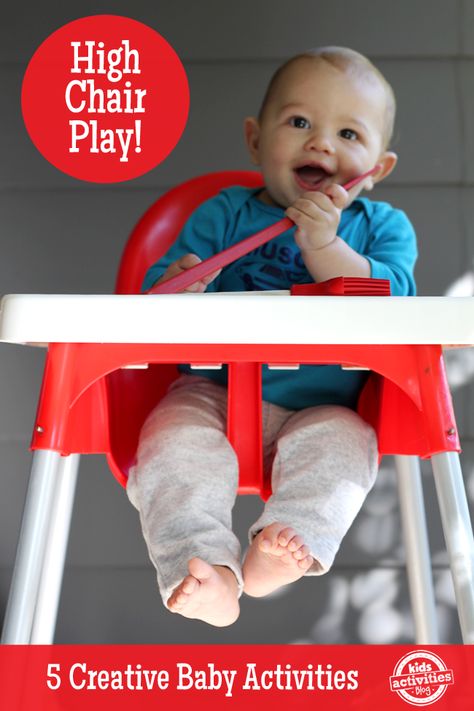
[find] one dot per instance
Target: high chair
(99, 385)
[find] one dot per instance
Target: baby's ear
(387, 163)
(252, 138)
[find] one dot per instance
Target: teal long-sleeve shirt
(382, 234)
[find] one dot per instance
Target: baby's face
(321, 126)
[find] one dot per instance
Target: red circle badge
(421, 678)
(105, 99)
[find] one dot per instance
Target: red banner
(220, 677)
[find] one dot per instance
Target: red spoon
(222, 259)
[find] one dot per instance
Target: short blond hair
(346, 60)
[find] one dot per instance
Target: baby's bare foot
(277, 556)
(208, 593)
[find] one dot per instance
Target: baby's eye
(299, 122)
(348, 134)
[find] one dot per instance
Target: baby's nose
(320, 141)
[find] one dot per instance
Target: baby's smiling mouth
(311, 177)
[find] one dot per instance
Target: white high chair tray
(261, 317)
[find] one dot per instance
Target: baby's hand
(186, 262)
(317, 216)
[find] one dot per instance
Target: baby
(327, 117)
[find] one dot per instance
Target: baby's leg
(184, 486)
(324, 466)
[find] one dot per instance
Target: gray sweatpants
(323, 462)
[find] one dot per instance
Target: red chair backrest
(132, 394)
(160, 225)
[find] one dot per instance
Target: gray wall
(59, 235)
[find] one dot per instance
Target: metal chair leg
(35, 535)
(49, 591)
(420, 578)
(30, 552)
(458, 535)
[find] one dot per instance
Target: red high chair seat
(406, 399)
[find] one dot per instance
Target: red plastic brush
(344, 286)
(218, 261)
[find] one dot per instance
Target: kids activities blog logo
(421, 678)
(105, 99)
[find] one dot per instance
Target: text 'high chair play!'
(110, 359)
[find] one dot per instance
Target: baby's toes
(180, 596)
(295, 544)
(285, 537)
(189, 585)
(174, 604)
(301, 553)
(305, 562)
(180, 599)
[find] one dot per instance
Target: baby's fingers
(210, 277)
(188, 261)
(338, 195)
